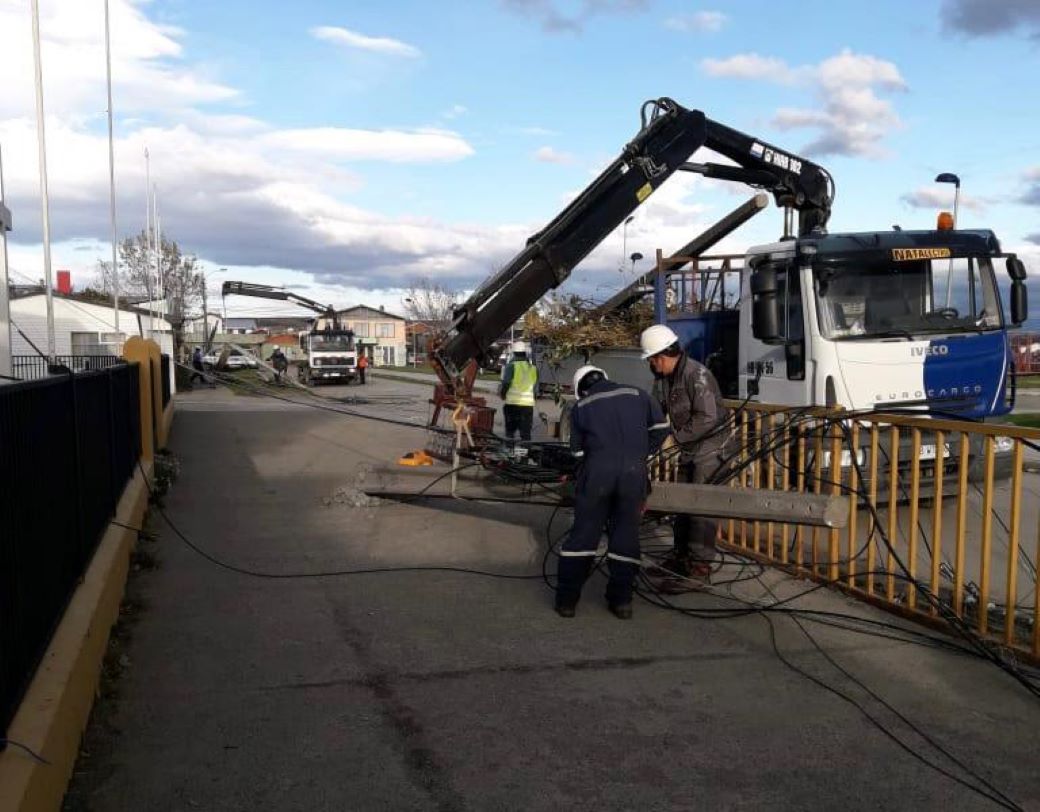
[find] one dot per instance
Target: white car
(235, 360)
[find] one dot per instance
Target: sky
(347, 150)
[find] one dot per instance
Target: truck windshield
(332, 342)
(906, 299)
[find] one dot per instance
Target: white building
(81, 328)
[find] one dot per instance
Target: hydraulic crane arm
(268, 292)
(794, 182)
(669, 135)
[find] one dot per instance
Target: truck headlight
(846, 458)
(1003, 445)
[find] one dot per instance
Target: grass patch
(1028, 420)
(1028, 382)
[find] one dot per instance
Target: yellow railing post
(893, 513)
(937, 504)
(911, 532)
(962, 518)
(1011, 585)
(987, 535)
(854, 484)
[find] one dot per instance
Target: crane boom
(669, 135)
(269, 292)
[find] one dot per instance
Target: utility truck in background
(883, 320)
(331, 350)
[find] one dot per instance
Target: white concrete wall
(29, 315)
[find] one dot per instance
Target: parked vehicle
(331, 350)
(235, 360)
(893, 320)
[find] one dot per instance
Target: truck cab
(894, 320)
(331, 356)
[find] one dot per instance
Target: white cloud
(751, 66)
(852, 118)
(379, 145)
(146, 61)
(378, 45)
(698, 21)
(455, 111)
(548, 155)
(539, 131)
(940, 197)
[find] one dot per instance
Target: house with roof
(83, 329)
(379, 333)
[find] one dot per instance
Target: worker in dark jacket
(614, 429)
(690, 396)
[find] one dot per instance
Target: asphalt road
(433, 690)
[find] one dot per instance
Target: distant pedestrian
(280, 364)
(196, 365)
(362, 365)
(519, 380)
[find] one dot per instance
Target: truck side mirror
(1016, 269)
(765, 306)
(1019, 302)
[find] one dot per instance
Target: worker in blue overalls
(614, 429)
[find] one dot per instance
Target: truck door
(777, 373)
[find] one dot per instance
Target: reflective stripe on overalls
(521, 388)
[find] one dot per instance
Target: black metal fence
(31, 367)
(69, 444)
(165, 380)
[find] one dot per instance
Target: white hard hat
(657, 338)
(581, 373)
(519, 346)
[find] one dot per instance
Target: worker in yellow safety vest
(519, 380)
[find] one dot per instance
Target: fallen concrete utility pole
(717, 501)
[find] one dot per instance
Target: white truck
(331, 350)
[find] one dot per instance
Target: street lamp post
(636, 256)
(415, 357)
(624, 236)
(949, 177)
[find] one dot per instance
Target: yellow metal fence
(942, 514)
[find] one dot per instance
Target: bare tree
(181, 280)
(427, 301)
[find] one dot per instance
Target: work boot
(622, 611)
(566, 609)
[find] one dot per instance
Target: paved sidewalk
(442, 691)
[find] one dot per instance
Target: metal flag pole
(112, 177)
(41, 139)
(148, 240)
(6, 362)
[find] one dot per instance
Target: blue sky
(353, 147)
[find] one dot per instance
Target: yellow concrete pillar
(136, 350)
(155, 358)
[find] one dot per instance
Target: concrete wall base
(55, 710)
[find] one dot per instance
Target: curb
(55, 709)
(478, 386)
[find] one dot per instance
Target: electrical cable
(4, 742)
(997, 795)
